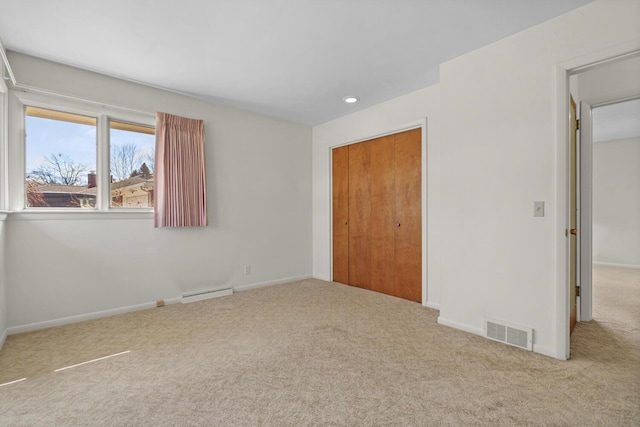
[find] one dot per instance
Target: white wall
(3, 293)
(259, 204)
(501, 151)
(616, 202)
(387, 117)
(497, 143)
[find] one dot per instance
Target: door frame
(585, 218)
(422, 124)
(562, 131)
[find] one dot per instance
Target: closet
(377, 227)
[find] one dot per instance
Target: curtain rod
(38, 90)
(6, 62)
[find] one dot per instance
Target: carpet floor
(316, 353)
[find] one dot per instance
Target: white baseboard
(249, 286)
(613, 264)
(112, 312)
(460, 326)
(203, 295)
(82, 317)
(545, 351)
(433, 305)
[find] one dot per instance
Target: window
(132, 158)
(60, 159)
(85, 157)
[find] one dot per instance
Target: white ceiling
(290, 59)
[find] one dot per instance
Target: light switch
(538, 209)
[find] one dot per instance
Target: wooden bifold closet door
(340, 191)
(377, 227)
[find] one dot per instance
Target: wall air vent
(507, 333)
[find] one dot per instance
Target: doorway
(598, 88)
(615, 207)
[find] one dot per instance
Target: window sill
(56, 214)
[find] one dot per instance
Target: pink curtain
(179, 176)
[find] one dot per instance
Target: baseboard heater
(202, 295)
(508, 333)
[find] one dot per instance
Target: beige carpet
(318, 353)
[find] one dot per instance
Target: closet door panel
(408, 278)
(360, 215)
(341, 259)
(340, 199)
(360, 262)
(382, 214)
(382, 165)
(408, 202)
(382, 244)
(383, 268)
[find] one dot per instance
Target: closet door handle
(397, 224)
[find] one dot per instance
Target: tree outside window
(60, 153)
(132, 162)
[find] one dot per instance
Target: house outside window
(132, 160)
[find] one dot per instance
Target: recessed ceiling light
(350, 99)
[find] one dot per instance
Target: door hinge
(577, 124)
(566, 232)
(577, 291)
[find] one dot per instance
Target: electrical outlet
(538, 209)
(247, 270)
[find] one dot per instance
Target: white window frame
(103, 114)
(4, 173)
